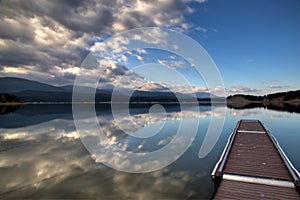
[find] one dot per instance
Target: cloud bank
(47, 40)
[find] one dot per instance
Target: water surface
(42, 155)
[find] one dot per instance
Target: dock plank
(252, 153)
(241, 190)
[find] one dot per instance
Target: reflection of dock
(253, 165)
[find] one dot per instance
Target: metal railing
(218, 169)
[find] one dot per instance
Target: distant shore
(109, 102)
(240, 102)
(11, 103)
(284, 101)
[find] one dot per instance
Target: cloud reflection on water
(47, 160)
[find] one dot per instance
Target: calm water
(42, 155)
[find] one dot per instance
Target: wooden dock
(253, 166)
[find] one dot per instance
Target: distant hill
(33, 91)
(14, 85)
(289, 101)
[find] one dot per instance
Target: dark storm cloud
(17, 32)
(20, 39)
(39, 35)
(84, 16)
(15, 54)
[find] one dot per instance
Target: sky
(254, 43)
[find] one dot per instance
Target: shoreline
(12, 103)
(130, 103)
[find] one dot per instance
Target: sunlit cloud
(54, 37)
(14, 70)
(177, 64)
(242, 89)
(278, 86)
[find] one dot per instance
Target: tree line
(286, 96)
(9, 98)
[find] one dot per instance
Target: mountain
(204, 95)
(14, 85)
(33, 91)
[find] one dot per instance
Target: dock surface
(253, 165)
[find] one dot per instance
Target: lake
(42, 155)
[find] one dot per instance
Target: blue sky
(254, 43)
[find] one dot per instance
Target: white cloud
(201, 29)
(46, 34)
(278, 86)
(14, 70)
(141, 51)
(177, 64)
(242, 89)
(190, 10)
(139, 57)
